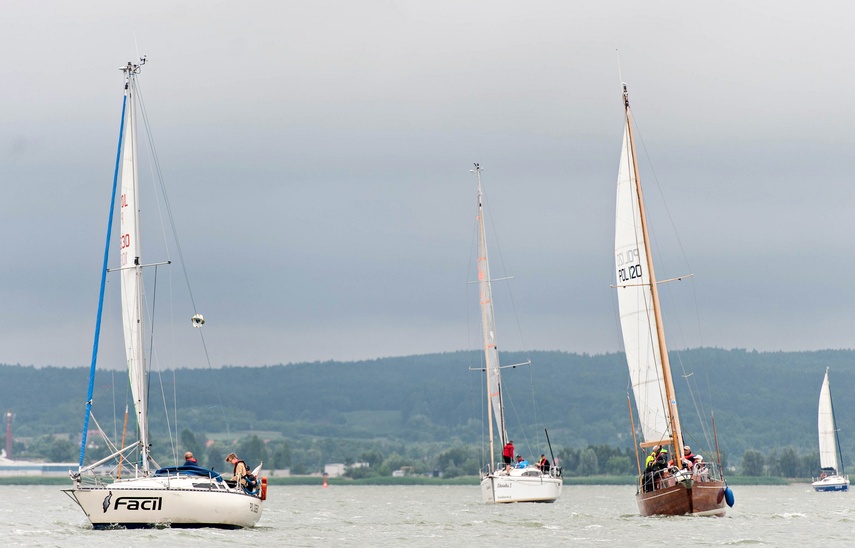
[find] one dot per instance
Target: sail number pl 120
(631, 272)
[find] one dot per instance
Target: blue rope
(103, 284)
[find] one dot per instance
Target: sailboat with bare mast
(529, 484)
(679, 487)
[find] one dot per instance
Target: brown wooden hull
(699, 498)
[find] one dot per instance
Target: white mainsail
(131, 268)
(488, 324)
(827, 430)
(635, 302)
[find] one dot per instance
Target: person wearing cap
(688, 457)
(701, 470)
(521, 462)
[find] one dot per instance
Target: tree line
(309, 456)
(420, 407)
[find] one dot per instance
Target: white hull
(832, 483)
(167, 502)
(527, 485)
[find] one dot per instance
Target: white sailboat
(529, 484)
(832, 477)
(183, 496)
(698, 489)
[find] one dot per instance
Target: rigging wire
(506, 398)
(510, 294)
(153, 359)
(115, 417)
(687, 375)
(652, 342)
(158, 175)
(497, 246)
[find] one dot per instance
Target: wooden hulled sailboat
(668, 490)
(529, 484)
(145, 496)
(832, 477)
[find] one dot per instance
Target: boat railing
(826, 475)
(89, 478)
(707, 471)
(499, 469)
(661, 478)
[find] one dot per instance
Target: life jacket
(248, 478)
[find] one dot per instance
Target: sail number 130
(631, 272)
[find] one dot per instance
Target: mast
(671, 401)
(131, 266)
(495, 408)
(839, 468)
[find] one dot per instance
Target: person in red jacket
(543, 464)
(508, 455)
(688, 457)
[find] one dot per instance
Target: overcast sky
(317, 157)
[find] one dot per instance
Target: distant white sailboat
(529, 484)
(182, 496)
(832, 477)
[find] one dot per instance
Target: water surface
(433, 516)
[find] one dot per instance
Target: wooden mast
(673, 416)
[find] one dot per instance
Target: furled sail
(635, 302)
(488, 324)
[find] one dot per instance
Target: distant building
(334, 470)
(9, 467)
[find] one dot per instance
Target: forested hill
(761, 400)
